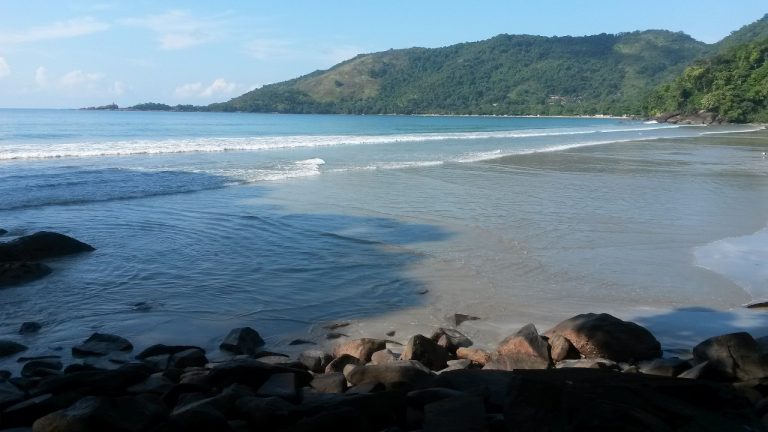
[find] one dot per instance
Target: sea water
(207, 221)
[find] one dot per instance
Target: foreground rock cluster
(591, 372)
(19, 258)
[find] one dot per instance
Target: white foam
(151, 147)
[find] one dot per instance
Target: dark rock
(282, 385)
(23, 359)
(390, 333)
(522, 350)
(426, 351)
(261, 354)
(672, 366)
(383, 357)
(338, 364)
(281, 361)
(301, 342)
(160, 349)
(597, 400)
(193, 357)
(124, 414)
(270, 413)
(81, 367)
(360, 348)
(41, 245)
(315, 360)
(451, 339)
(334, 382)
(194, 375)
(491, 384)
(419, 398)
(9, 394)
(734, 356)
(4, 374)
(8, 348)
(156, 383)
(201, 419)
(334, 335)
(562, 349)
(244, 340)
(26, 412)
(605, 336)
(98, 382)
(367, 387)
(175, 394)
(41, 368)
(101, 344)
(3, 232)
(141, 307)
(392, 374)
(30, 327)
(473, 354)
(18, 272)
(159, 362)
(25, 383)
(464, 413)
(252, 373)
(460, 318)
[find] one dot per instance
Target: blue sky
(77, 53)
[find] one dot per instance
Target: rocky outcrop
(16, 256)
(41, 245)
(243, 340)
(605, 336)
(175, 387)
(701, 117)
(101, 344)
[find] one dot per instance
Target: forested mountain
(520, 74)
(732, 84)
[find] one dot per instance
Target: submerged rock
(30, 327)
(18, 272)
(41, 245)
(244, 340)
(10, 348)
(460, 318)
(605, 336)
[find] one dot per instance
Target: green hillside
(601, 74)
(733, 85)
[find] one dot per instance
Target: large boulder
(605, 336)
(733, 356)
(124, 414)
(101, 344)
(244, 340)
(18, 272)
(362, 349)
(41, 245)
(523, 350)
(391, 374)
(426, 351)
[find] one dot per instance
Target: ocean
(209, 221)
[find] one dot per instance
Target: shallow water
(328, 218)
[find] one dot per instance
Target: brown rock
(522, 350)
(383, 357)
(338, 364)
(605, 336)
(360, 348)
(562, 349)
(474, 354)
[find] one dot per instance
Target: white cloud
(176, 29)
(59, 30)
(5, 69)
(118, 88)
(78, 78)
(219, 86)
(41, 77)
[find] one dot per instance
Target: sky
(73, 53)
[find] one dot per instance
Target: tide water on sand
(208, 221)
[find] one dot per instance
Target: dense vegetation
(153, 106)
(601, 74)
(733, 84)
